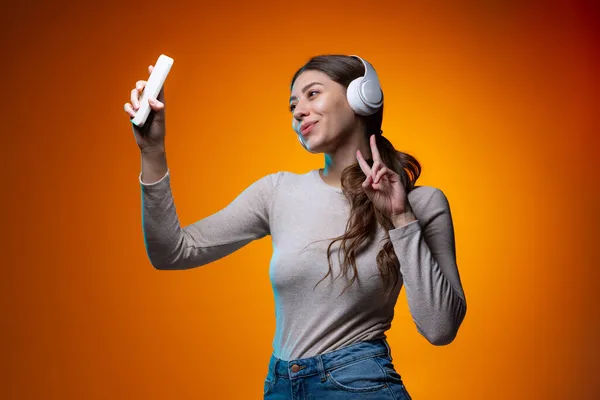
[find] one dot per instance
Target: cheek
(335, 107)
(341, 105)
(321, 105)
(344, 115)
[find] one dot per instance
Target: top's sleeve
(152, 183)
(426, 251)
(169, 246)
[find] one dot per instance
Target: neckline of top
(317, 176)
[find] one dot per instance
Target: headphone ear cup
(364, 93)
(371, 92)
(354, 99)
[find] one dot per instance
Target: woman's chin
(314, 143)
(313, 147)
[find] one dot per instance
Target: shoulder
(427, 194)
(287, 178)
(275, 177)
(272, 181)
(428, 200)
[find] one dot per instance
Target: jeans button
(295, 368)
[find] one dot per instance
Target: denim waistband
(319, 364)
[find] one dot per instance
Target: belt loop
(321, 368)
(388, 349)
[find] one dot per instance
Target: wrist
(399, 220)
(153, 150)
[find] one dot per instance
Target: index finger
(363, 164)
(374, 149)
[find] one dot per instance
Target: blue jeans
(362, 370)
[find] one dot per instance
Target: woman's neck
(336, 163)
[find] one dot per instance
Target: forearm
(164, 239)
(437, 307)
(154, 164)
(403, 219)
(434, 304)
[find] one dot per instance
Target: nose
(300, 112)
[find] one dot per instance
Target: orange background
(497, 99)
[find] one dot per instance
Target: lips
(306, 128)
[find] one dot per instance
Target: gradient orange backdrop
(497, 99)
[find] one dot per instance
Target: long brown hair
(364, 217)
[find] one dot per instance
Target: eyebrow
(305, 88)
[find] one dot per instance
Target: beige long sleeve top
(301, 212)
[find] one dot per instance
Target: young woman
(346, 238)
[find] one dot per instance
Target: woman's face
(319, 104)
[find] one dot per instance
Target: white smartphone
(153, 85)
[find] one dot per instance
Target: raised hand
(383, 185)
(152, 134)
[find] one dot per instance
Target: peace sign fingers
(374, 149)
(362, 163)
(377, 163)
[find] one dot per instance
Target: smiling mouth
(309, 128)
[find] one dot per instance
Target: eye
(293, 106)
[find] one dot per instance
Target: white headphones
(364, 94)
